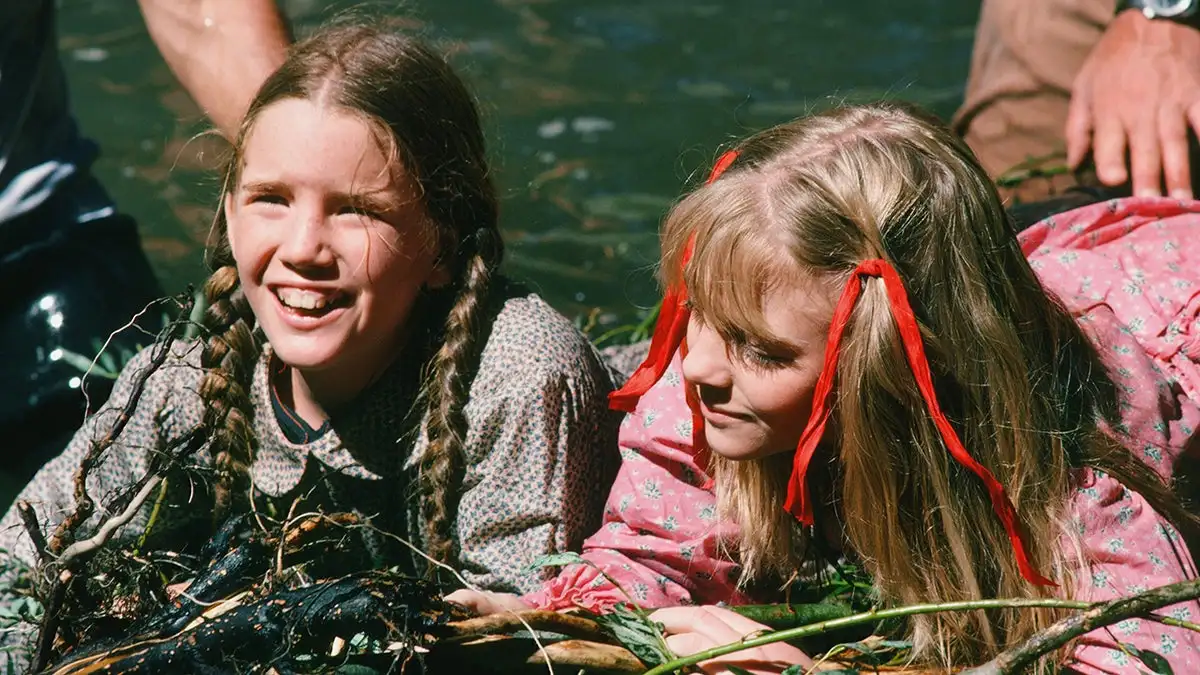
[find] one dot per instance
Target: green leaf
(84, 365)
(356, 669)
(737, 671)
(1156, 662)
(636, 633)
(556, 560)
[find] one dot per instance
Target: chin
(303, 357)
(732, 448)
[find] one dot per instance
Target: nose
(305, 243)
(707, 361)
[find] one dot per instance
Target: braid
(228, 359)
(451, 369)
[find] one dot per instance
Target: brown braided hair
(412, 98)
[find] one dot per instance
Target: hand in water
(1138, 90)
(695, 629)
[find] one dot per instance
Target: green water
(600, 112)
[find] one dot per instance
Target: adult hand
(486, 602)
(1139, 89)
(694, 629)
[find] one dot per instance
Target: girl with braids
(363, 352)
(860, 358)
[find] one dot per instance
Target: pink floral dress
(1129, 270)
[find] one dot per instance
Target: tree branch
(29, 518)
(1014, 660)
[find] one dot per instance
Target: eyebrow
(381, 201)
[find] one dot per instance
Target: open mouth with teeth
(311, 303)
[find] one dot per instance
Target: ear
(230, 215)
(439, 276)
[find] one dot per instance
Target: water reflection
(599, 113)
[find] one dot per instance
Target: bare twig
(467, 584)
(555, 622)
(872, 616)
(29, 518)
(50, 624)
(111, 525)
(84, 506)
(1014, 660)
(96, 359)
(591, 656)
(64, 534)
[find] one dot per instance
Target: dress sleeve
(1129, 549)
(51, 492)
(541, 449)
(660, 542)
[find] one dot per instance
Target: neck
(313, 393)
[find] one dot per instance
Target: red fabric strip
(670, 328)
(798, 500)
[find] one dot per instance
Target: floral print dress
(1128, 270)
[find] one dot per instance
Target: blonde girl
(859, 357)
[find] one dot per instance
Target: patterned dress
(538, 452)
(1129, 271)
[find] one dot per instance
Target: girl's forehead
(299, 141)
(771, 299)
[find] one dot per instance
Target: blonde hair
(1023, 387)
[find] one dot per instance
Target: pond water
(599, 113)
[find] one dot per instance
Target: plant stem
(861, 618)
(1095, 615)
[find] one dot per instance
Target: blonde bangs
(736, 263)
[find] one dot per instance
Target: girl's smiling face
(756, 395)
(332, 243)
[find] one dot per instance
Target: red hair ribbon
(798, 500)
(669, 330)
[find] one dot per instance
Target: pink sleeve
(1130, 549)
(660, 539)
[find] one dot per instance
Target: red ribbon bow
(669, 331)
(671, 328)
(798, 500)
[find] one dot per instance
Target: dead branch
(84, 505)
(49, 627)
(29, 518)
(106, 529)
(590, 656)
(509, 622)
(1016, 659)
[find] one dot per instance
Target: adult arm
(221, 50)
